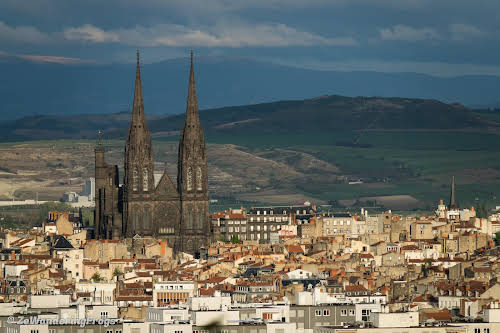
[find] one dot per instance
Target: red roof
(355, 287)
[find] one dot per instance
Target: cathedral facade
(177, 213)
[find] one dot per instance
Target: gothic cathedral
(141, 208)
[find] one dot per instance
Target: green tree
(97, 277)
(117, 272)
(223, 239)
(235, 239)
(482, 210)
(497, 237)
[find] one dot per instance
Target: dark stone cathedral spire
(192, 178)
(138, 176)
(453, 204)
(142, 207)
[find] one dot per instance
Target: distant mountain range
(28, 88)
(326, 114)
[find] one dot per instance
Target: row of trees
(234, 239)
(98, 278)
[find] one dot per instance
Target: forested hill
(321, 114)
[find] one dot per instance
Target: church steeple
(138, 106)
(138, 149)
(192, 172)
(192, 102)
(453, 204)
(192, 178)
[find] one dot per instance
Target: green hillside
(289, 151)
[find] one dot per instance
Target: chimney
(12, 255)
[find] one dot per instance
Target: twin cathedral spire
(142, 207)
(139, 175)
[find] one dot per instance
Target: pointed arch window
(189, 179)
(135, 180)
(199, 183)
(145, 179)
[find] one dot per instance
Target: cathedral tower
(138, 169)
(192, 178)
(108, 218)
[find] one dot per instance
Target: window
(326, 312)
(477, 330)
(351, 312)
(189, 179)
(267, 316)
(145, 179)
(199, 183)
(135, 180)
(343, 312)
(317, 313)
(486, 330)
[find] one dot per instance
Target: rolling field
(399, 169)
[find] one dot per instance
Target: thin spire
(138, 73)
(99, 138)
(192, 103)
(99, 146)
(453, 203)
(138, 105)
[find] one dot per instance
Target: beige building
(338, 224)
(421, 230)
(106, 249)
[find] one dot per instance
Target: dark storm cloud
(459, 36)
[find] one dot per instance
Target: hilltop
(28, 88)
(317, 115)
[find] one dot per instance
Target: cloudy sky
(439, 37)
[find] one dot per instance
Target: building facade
(140, 207)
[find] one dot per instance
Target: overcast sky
(439, 37)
